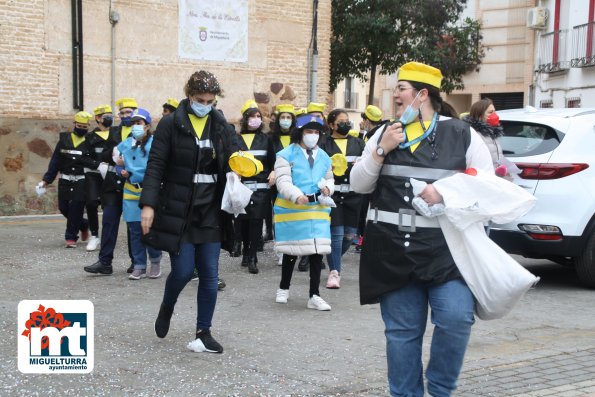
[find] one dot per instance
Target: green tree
(371, 35)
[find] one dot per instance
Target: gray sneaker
(137, 274)
(155, 271)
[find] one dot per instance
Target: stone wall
(36, 80)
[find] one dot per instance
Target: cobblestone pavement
(544, 347)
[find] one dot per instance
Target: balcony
(552, 52)
(583, 45)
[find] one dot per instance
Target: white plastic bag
(429, 211)
(496, 280)
(236, 196)
(102, 168)
(40, 189)
(325, 200)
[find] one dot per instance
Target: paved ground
(545, 347)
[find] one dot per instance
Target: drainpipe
(114, 17)
(313, 59)
(77, 54)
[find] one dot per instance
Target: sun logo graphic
(55, 336)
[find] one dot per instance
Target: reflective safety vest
(303, 229)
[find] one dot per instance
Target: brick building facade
(36, 79)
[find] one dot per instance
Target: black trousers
(315, 268)
(73, 211)
(251, 235)
(109, 232)
(92, 215)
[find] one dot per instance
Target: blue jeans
(139, 250)
(405, 313)
(341, 239)
(206, 257)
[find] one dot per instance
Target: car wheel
(585, 264)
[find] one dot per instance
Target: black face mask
(107, 121)
(343, 128)
(80, 131)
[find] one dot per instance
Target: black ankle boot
(99, 268)
(162, 322)
(236, 251)
(252, 268)
(245, 260)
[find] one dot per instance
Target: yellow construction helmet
(82, 117)
(339, 164)
(245, 164)
(249, 104)
(285, 108)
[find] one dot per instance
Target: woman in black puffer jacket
(181, 201)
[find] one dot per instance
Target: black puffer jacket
(168, 185)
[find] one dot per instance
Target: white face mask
(310, 140)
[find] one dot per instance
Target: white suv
(555, 149)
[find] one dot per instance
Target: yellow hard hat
(172, 102)
(316, 107)
(101, 109)
(285, 108)
(126, 103)
(339, 164)
(249, 104)
(354, 133)
(372, 113)
(420, 72)
(83, 117)
(245, 164)
(300, 111)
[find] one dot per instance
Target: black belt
(312, 198)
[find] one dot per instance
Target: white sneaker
(282, 295)
(316, 302)
(93, 243)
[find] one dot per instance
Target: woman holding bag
(406, 264)
(181, 201)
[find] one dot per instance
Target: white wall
(575, 82)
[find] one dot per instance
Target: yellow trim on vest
(248, 139)
(77, 140)
(413, 131)
(103, 134)
(285, 140)
(342, 143)
(130, 197)
(302, 216)
(132, 188)
(198, 124)
(281, 202)
(125, 132)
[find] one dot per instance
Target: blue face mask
(126, 121)
(137, 132)
(285, 124)
(410, 115)
(199, 109)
